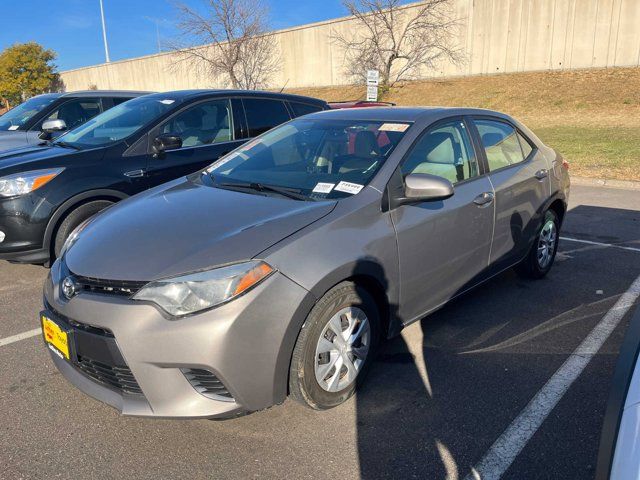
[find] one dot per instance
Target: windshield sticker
(323, 187)
(349, 187)
(14, 127)
(167, 102)
(393, 127)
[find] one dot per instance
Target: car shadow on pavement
(439, 395)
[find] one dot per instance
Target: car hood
(12, 139)
(26, 155)
(182, 227)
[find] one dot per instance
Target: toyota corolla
(278, 270)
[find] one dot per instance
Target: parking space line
(600, 244)
(20, 336)
(507, 447)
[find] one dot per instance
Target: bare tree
(398, 41)
(231, 42)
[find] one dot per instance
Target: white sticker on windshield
(349, 187)
(323, 187)
(14, 127)
(393, 127)
(167, 102)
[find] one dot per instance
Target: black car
(25, 123)
(46, 191)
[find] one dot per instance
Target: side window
(264, 114)
(76, 112)
(202, 124)
(525, 144)
(500, 143)
(444, 151)
(300, 109)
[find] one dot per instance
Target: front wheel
(335, 347)
(543, 251)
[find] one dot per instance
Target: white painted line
(600, 244)
(20, 336)
(507, 447)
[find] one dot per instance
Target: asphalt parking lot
(436, 400)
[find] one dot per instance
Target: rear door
(518, 173)
(207, 129)
(443, 246)
(264, 113)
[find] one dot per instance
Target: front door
(207, 132)
(443, 246)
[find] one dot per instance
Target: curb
(606, 183)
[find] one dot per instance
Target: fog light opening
(2, 236)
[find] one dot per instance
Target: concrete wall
(497, 36)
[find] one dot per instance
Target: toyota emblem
(69, 287)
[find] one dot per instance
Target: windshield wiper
(66, 145)
(261, 187)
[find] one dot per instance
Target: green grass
(604, 152)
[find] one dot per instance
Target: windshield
(20, 115)
(118, 122)
(318, 158)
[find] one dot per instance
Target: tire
(75, 218)
(540, 258)
(345, 305)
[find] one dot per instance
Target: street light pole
(104, 33)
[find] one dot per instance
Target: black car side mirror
(422, 187)
(162, 143)
(50, 127)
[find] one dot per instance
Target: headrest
(366, 144)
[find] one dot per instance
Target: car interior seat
(365, 153)
(437, 155)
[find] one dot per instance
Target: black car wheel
(75, 218)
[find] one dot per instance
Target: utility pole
(104, 33)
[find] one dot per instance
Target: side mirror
(421, 187)
(50, 127)
(162, 143)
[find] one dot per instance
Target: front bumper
(23, 220)
(246, 343)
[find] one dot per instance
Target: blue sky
(72, 27)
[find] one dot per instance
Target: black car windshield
(118, 122)
(318, 158)
(20, 115)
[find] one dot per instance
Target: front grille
(207, 384)
(123, 288)
(118, 377)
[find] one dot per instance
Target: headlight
(199, 291)
(23, 183)
(73, 236)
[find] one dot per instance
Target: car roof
(190, 94)
(402, 114)
(104, 93)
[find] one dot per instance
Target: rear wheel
(543, 251)
(75, 218)
(335, 348)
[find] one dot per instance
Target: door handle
(484, 199)
(135, 173)
(541, 174)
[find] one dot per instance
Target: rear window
(300, 109)
(264, 114)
